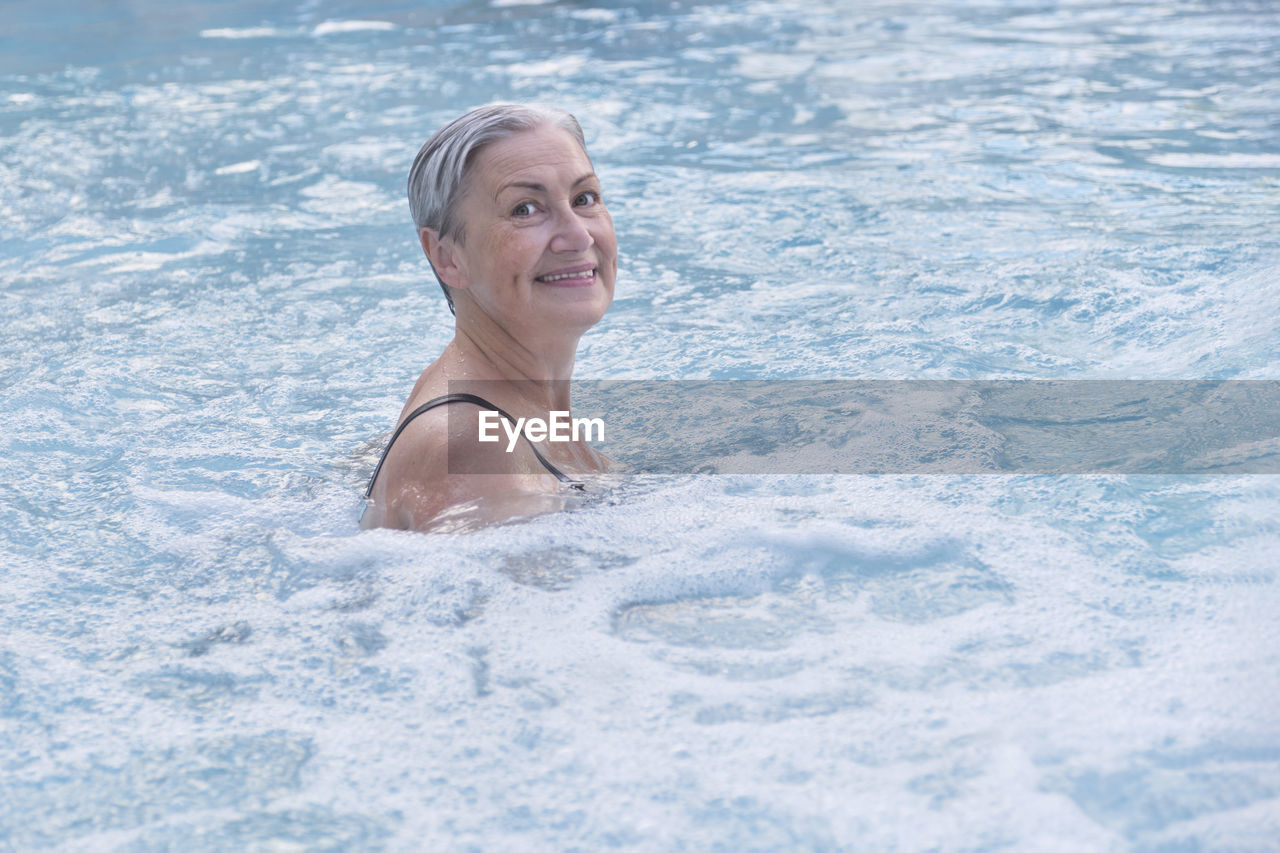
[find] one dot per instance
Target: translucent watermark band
(912, 427)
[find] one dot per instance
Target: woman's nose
(572, 234)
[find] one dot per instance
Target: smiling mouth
(568, 277)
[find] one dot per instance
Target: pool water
(213, 308)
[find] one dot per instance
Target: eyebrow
(536, 187)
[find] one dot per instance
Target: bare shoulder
(436, 463)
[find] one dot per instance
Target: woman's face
(537, 246)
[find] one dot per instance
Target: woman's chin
(578, 307)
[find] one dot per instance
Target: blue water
(213, 309)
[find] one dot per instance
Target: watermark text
(559, 426)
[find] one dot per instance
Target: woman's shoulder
(435, 460)
(439, 435)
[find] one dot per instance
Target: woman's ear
(444, 256)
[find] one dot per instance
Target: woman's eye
(524, 208)
(587, 198)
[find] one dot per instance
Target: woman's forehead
(546, 150)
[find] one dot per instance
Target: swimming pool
(213, 309)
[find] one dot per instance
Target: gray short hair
(437, 179)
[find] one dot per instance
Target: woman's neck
(537, 371)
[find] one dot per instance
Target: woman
(509, 212)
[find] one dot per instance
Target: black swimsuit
(482, 403)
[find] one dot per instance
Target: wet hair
(437, 180)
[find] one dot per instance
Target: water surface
(213, 308)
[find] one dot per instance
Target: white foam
(334, 27)
(241, 33)
(1217, 161)
(239, 168)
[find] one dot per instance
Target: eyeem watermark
(874, 427)
(559, 426)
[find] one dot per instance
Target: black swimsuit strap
(463, 398)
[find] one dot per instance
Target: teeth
(582, 274)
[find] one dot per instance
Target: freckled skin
(532, 207)
(512, 233)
